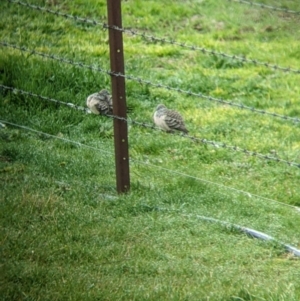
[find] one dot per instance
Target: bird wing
(102, 107)
(174, 121)
(98, 103)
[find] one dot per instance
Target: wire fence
(155, 166)
(143, 124)
(151, 126)
(203, 50)
(253, 233)
(152, 38)
(158, 85)
(150, 83)
(69, 104)
(57, 13)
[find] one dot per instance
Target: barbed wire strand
(56, 58)
(95, 22)
(203, 50)
(261, 5)
(248, 194)
(28, 93)
(210, 98)
(57, 13)
(151, 126)
(212, 143)
(161, 40)
(148, 82)
(56, 137)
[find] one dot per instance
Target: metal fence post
(119, 96)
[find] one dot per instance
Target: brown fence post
(119, 97)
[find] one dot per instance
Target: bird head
(104, 92)
(160, 107)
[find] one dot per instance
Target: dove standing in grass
(168, 120)
(100, 103)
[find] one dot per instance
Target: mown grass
(67, 235)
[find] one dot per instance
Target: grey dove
(100, 103)
(168, 120)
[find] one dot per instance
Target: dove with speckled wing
(168, 120)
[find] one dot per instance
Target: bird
(100, 103)
(168, 120)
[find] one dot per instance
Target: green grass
(65, 232)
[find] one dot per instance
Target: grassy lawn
(65, 232)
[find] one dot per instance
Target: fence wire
(261, 5)
(57, 137)
(251, 232)
(173, 172)
(148, 82)
(158, 39)
(246, 230)
(56, 58)
(151, 126)
(69, 104)
(203, 50)
(57, 13)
